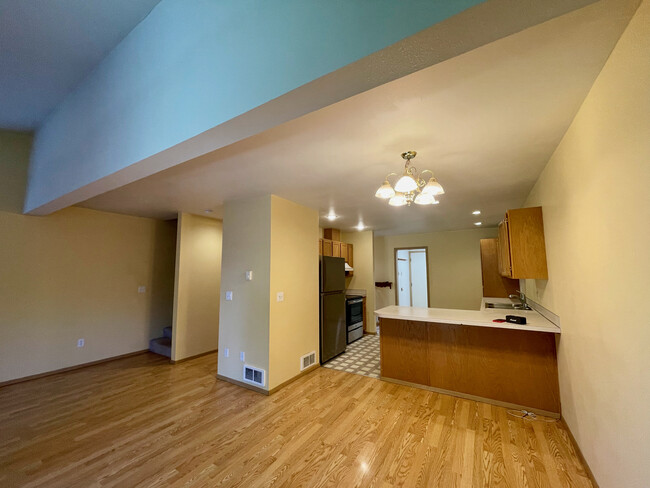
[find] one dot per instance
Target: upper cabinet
(521, 248)
(344, 251)
(494, 284)
(331, 245)
(336, 249)
(327, 248)
(332, 234)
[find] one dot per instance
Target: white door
(403, 278)
(418, 273)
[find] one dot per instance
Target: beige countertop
(476, 318)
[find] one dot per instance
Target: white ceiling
(485, 122)
(48, 46)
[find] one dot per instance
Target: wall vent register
(254, 375)
(307, 360)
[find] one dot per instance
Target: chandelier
(410, 187)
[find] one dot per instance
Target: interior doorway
(412, 277)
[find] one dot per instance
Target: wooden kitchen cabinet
(336, 249)
(327, 247)
(521, 246)
(332, 234)
(494, 283)
(350, 260)
(344, 251)
(503, 250)
(511, 368)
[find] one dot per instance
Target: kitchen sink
(507, 306)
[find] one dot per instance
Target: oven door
(354, 311)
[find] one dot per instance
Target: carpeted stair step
(167, 332)
(162, 346)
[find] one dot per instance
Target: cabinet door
(494, 285)
(527, 247)
(336, 249)
(350, 256)
(332, 234)
(327, 247)
(344, 251)
(505, 266)
(320, 247)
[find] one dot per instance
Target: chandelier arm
(426, 171)
(390, 174)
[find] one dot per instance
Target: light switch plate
(142, 289)
(242, 356)
(280, 296)
(249, 276)
(229, 296)
(226, 352)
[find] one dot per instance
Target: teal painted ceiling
(48, 46)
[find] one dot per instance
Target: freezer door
(332, 274)
(333, 330)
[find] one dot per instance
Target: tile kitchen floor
(361, 357)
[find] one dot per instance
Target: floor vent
(307, 360)
(254, 375)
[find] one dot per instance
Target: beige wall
(244, 321)
(75, 274)
(294, 271)
(197, 286)
(363, 277)
(454, 266)
(277, 240)
(594, 193)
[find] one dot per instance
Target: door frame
(426, 257)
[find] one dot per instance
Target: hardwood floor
(140, 421)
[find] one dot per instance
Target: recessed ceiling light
(360, 226)
(476, 212)
(478, 223)
(331, 216)
(208, 210)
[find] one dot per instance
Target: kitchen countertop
(476, 318)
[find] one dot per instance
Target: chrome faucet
(522, 298)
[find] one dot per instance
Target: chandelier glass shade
(433, 187)
(425, 199)
(406, 184)
(410, 186)
(397, 200)
(385, 191)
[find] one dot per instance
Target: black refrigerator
(333, 329)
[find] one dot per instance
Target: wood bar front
(509, 367)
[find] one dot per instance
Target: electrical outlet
(226, 352)
(142, 289)
(242, 356)
(229, 296)
(280, 296)
(81, 342)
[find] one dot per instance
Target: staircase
(162, 345)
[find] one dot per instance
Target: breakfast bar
(465, 353)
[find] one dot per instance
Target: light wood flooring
(140, 421)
